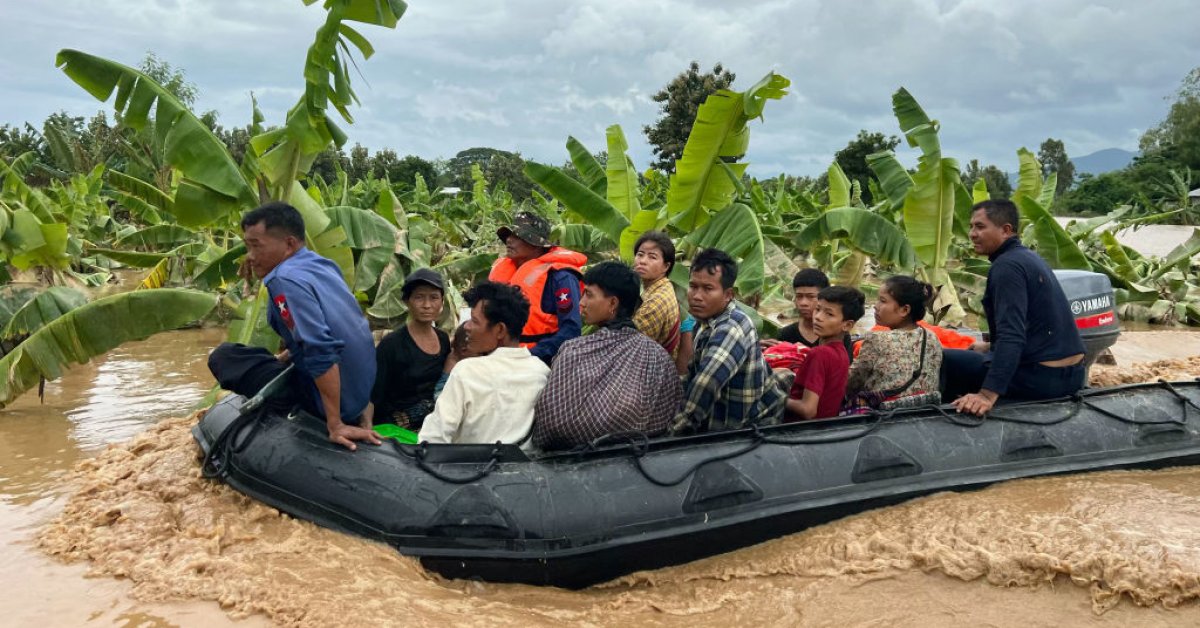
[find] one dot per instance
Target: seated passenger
(820, 383)
(459, 351)
(1036, 351)
(658, 316)
(901, 366)
(615, 379)
(409, 361)
(490, 398)
(805, 286)
(728, 384)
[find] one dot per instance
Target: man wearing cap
(548, 276)
(323, 329)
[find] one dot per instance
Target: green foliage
(854, 159)
(680, 101)
(91, 330)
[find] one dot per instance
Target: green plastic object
(390, 430)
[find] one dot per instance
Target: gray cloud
(524, 75)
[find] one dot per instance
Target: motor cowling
(1094, 307)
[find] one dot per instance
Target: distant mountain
(1102, 161)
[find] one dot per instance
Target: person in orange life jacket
(548, 276)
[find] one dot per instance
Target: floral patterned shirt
(887, 360)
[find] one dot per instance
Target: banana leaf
(138, 259)
(918, 129)
(1046, 196)
(48, 305)
(621, 176)
(1179, 256)
(718, 134)
(52, 253)
(1082, 228)
(388, 206)
(589, 168)
(863, 230)
(893, 178)
(735, 230)
(839, 187)
(221, 270)
(578, 198)
(143, 191)
(157, 237)
(1051, 241)
(157, 277)
(388, 304)
(979, 192)
(212, 184)
(1029, 183)
(644, 220)
(929, 211)
(94, 329)
(250, 326)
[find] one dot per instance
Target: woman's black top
(405, 375)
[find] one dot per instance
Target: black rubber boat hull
(573, 520)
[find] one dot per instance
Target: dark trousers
(963, 372)
(246, 370)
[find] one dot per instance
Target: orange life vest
(531, 279)
(949, 338)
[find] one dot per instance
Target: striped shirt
(728, 383)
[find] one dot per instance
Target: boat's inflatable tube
(573, 519)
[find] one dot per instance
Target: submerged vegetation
(160, 192)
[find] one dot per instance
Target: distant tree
(16, 141)
(360, 163)
(853, 158)
(680, 99)
(1054, 159)
(172, 79)
(458, 167)
(1177, 137)
(507, 172)
(409, 167)
(996, 179)
(328, 162)
(1099, 194)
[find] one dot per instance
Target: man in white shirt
(490, 398)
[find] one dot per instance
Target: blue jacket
(321, 324)
(1028, 315)
(570, 321)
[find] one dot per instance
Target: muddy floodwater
(104, 520)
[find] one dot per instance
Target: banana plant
(706, 176)
(85, 332)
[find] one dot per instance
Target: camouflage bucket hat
(530, 227)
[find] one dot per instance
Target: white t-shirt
(488, 399)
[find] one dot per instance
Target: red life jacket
(531, 279)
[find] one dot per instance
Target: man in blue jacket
(1035, 350)
(324, 332)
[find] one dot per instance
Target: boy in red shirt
(821, 381)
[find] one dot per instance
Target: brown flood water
(139, 539)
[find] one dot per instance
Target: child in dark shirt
(821, 380)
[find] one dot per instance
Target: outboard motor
(1094, 307)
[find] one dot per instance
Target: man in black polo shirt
(1036, 351)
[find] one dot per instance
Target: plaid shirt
(658, 317)
(729, 384)
(610, 381)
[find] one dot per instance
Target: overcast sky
(522, 75)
